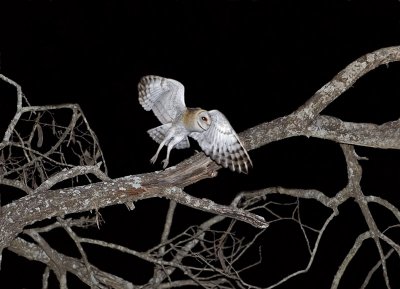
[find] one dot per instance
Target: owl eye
(203, 118)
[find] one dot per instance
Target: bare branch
(66, 174)
(45, 278)
(77, 267)
(55, 263)
(168, 223)
(75, 238)
(65, 201)
(159, 272)
(353, 251)
(206, 205)
(306, 120)
(384, 136)
(311, 260)
(354, 174)
(19, 106)
(384, 203)
(373, 270)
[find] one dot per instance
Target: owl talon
(153, 159)
(165, 163)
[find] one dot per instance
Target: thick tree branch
(384, 136)
(306, 120)
(344, 80)
(29, 209)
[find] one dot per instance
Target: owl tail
(159, 133)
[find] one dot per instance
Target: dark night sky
(253, 60)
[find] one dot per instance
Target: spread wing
(164, 96)
(222, 144)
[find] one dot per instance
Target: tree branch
(77, 267)
(306, 120)
(29, 209)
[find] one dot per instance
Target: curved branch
(344, 80)
(300, 121)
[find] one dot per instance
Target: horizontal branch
(46, 204)
(385, 136)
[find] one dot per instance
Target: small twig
(385, 204)
(75, 238)
(144, 256)
(45, 278)
(18, 113)
(373, 270)
(159, 271)
(312, 256)
(350, 255)
(389, 241)
(167, 225)
(182, 283)
(55, 262)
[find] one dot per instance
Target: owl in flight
(215, 135)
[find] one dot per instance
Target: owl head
(203, 120)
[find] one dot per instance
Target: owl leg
(169, 136)
(170, 146)
(154, 158)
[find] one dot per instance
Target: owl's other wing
(222, 144)
(162, 95)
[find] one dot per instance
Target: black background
(254, 61)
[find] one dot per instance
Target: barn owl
(211, 129)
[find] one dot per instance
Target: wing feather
(164, 96)
(222, 144)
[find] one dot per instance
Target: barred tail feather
(159, 133)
